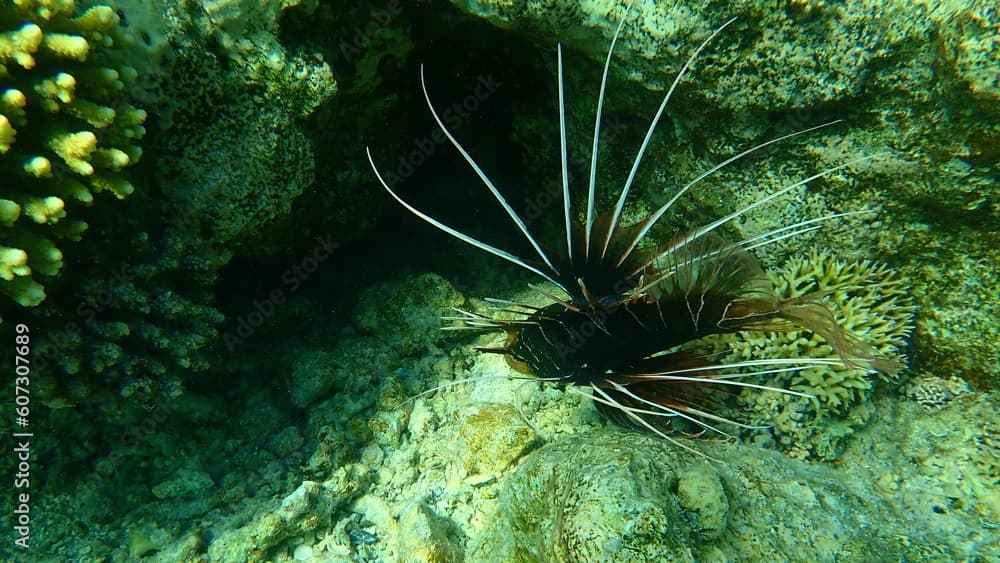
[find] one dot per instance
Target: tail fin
(808, 313)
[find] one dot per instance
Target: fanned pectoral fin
(709, 265)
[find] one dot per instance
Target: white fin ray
(607, 400)
(564, 157)
(702, 231)
(669, 412)
(591, 189)
(810, 362)
(619, 207)
(482, 176)
(666, 207)
(458, 234)
(747, 244)
(795, 230)
(731, 383)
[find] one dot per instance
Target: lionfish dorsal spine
(592, 182)
(485, 179)
(498, 252)
(564, 153)
(655, 216)
(620, 205)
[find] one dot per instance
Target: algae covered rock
(185, 483)
(232, 101)
(397, 319)
(312, 375)
(953, 457)
(585, 499)
(298, 513)
(971, 38)
(700, 491)
(425, 537)
(407, 315)
(848, 38)
(494, 437)
(621, 496)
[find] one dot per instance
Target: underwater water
(224, 337)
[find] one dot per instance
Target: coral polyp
(67, 131)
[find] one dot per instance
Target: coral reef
(67, 130)
(935, 392)
(230, 158)
(869, 300)
(590, 493)
(309, 438)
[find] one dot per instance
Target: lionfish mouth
(624, 328)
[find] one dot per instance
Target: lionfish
(630, 311)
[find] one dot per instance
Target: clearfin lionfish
(630, 309)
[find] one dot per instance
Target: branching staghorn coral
(66, 132)
(868, 299)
